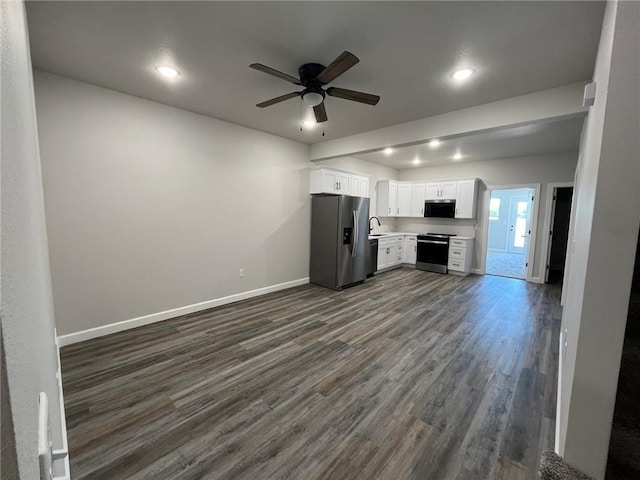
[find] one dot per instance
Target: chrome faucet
(370, 227)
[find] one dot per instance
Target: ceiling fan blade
(275, 73)
(320, 113)
(344, 62)
(279, 99)
(353, 95)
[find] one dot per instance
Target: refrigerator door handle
(354, 240)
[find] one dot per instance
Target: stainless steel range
(433, 252)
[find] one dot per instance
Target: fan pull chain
(323, 129)
(300, 113)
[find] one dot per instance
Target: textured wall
(27, 309)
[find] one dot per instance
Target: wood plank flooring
(413, 375)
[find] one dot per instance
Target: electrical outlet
(241, 272)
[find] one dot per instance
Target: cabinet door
(411, 250)
(466, 199)
(393, 253)
(355, 185)
(393, 199)
(417, 199)
(404, 199)
(344, 179)
(329, 181)
(364, 187)
(382, 256)
(432, 191)
(448, 190)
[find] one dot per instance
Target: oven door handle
(433, 241)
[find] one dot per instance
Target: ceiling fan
(313, 76)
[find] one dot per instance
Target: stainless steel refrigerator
(339, 240)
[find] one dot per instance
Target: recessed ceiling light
(416, 161)
(309, 124)
(457, 156)
(167, 71)
(462, 74)
(388, 151)
(435, 143)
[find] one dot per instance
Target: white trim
(533, 223)
(548, 212)
(61, 454)
(175, 312)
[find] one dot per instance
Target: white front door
(518, 223)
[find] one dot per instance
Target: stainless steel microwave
(440, 208)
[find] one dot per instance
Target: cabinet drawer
(457, 243)
(456, 265)
(457, 253)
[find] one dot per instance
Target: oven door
(432, 255)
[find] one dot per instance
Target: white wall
(543, 169)
(26, 305)
(376, 172)
(605, 222)
(151, 208)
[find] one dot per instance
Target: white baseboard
(477, 271)
(536, 280)
(175, 312)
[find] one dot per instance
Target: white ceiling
(407, 51)
(525, 140)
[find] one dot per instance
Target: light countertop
(413, 234)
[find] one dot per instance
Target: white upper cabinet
(364, 186)
(387, 198)
(418, 197)
(327, 180)
(404, 199)
(442, 190)
(466, 199)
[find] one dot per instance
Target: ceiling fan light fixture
(312, 99)
(309, 124)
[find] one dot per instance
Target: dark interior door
(560, 234)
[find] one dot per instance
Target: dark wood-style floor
(413, 375)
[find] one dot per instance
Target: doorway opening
(510, 213)
(558, 233)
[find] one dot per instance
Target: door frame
(534, 226)
(549, 210)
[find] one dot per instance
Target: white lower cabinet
(411, 249)
(387, 252)
(391, 251)
(460, 255)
